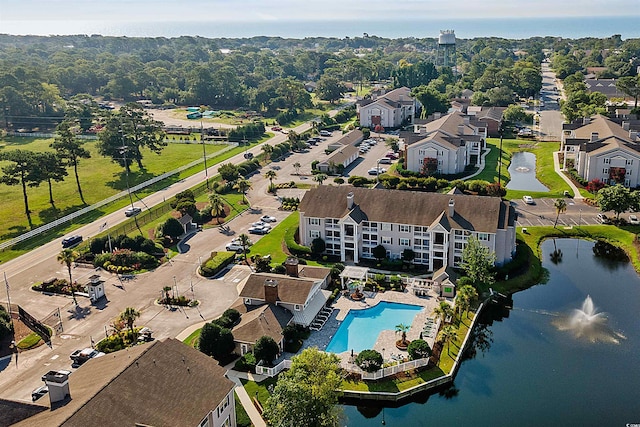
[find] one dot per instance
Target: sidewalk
(556, 166)
(246, 401)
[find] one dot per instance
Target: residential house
(301, 292)
(163, 383)
(445, 145)
(488, 118)
(352, 221)
(604, 86)
(391, 110)
(601, 148)
(344, 152)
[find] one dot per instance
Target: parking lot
(369, 160)
(542, 212)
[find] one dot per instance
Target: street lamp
(501, 132)
(123, 150)
(378, 172)
(204, 154)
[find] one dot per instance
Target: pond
(532, 365)
(523, 173)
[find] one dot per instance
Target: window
(605, 170)
(387, 240)
(606, 161)
(314, 234)
(296, 307)
(348, 229)
(247, 301)
(205, 422)
(629, 161)
(386, 226)
(439, 238)
(457, 232)
(484, 237)
(459, 245)
(405, 242)
(405, 229)
(314, 221)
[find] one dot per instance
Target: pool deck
(385, 344)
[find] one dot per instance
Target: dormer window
(297, 307)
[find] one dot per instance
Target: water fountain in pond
(588, 324)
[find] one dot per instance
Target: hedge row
(292, 245)
(216, 263)
(248, 167)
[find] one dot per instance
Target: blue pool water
(360, 328)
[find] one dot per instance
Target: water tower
(447, 49)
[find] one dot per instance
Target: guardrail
(68, 218)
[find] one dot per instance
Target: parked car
(276, 128)
(528, 200)
(80, 356)
(603, 219)
(325, 133)
(235, 247)
(132, 211)
(633, 220)
(385, 160)
(260, 230)
(71, 241)
(392, 155)
(267, 218)
(376, 171)
(39, 392)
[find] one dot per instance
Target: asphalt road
(551, 118)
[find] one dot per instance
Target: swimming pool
(360, 328)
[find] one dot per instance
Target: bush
(419, 349)
(5, 323)
(246, 363)
(266, 349)
(292, 245)
(279, 269)
(215, 341)
(216, 262)
(125, 260)
(369, 360)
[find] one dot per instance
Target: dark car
(132, 211)
(71, 241)
(39, 392)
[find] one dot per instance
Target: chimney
(460, 129)
(350, 200)
(594, 136)
(452, 210)
(437, 115)
(291, 266)
(625, 125)
(466, 120)
(401, 98)
(271, 291)
(586, 120)
(633, 135)
(58, 384)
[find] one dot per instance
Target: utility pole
(501, 131)
(204, 154)
(123, 151)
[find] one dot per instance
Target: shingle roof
(339, 156)
(477, 213)
(260, 321)
(164, 383)
(446, 131)
(292, 290)
(610, 135)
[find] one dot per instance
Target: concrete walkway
(246, 401)
(556, 166)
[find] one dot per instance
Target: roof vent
(594, 136)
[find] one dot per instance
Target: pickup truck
(80, 356)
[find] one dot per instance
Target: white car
(633, 220)
(258, 224)
(234, 247)
(267, 218)
(325, 133)
(132, 211)
(376, 171)
(528, 200)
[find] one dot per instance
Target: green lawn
(272, 243)
(192, 339)
(544, 166)
(261, 388)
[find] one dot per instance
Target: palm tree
(319, 178)
(242, 185)
(68, 256)
(217, 205)
(245, 242)
(443, 311)
(129, 316)
(270, 175)
(465, 296)
(448, 334)
(297, 167)
(267, 150)
(561, 207)
(403, 329)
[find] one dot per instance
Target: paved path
(246, 401)
(556, 167)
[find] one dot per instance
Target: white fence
(83, 211)
(388, 370)
(272, 372)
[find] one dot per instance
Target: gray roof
(476, 213)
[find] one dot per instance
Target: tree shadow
(78, 313)
(135, 177)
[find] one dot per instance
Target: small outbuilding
(95, 288)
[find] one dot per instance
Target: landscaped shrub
(292, 245)
(5, 323)
(266, 350)
(369, 360)
(246, 363)
(232, 314)
(279, 269)
(216, 262)
(57, 286)
(419, 349)
(125, 260)
(215, 341)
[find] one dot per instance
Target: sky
(64, 16)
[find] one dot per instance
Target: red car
(276, 128)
